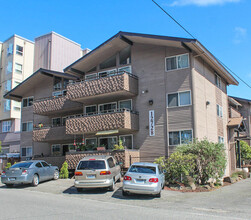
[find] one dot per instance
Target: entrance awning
(107, 132)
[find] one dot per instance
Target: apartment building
(19, 59)
(16, 64)
(152, 92)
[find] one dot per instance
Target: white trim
(123, 101)
(220, 111)
(190, 129)
(177, 62)
(179, 98)
(128, 135)
(26, 151)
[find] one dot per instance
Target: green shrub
(161, 161)
(242, 173)
(245, 150)
(119, 146)
(178, 166)
(210, 159)
(64, 173)
(8, 165)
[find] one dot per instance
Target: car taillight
(3, 173)
(105, 173)
(127, 178)
(78, 174)
(153, 180)
(24, 172)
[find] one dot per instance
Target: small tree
(210, 159)
(8, 165)
(64, 173)
(245, 150)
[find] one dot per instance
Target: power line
(195, 38)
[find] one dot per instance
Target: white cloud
(240, 34)
(201, 2)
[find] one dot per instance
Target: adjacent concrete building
(19, 58)
(151, 92)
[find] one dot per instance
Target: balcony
(51, 134)
(124, 121)
(52, 105)
(121, 85)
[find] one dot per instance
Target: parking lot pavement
(231, 201)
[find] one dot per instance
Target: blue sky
(222, 26)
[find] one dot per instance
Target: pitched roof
(235, 122)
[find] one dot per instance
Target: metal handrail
(99, 77)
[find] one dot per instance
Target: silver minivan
(97, 171)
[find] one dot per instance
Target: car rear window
(22, 165)
(142, 169)
(91, 165)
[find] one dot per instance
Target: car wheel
(9, 185)
(79, 189)
(35, 180)
(112, 187)
(158, 195)
(56, 175)
(124, 193)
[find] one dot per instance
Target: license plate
(12, 179)
(140, 181)
(91, 176)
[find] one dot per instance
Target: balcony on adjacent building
(55, 105)
(124, 121)
(51, 134)
(121, 85)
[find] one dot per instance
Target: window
(179, 99)
(45, 164)
(57, 85)
(91, 76)
(110, 62)
(38, 165)
(177, 62)
(125, 56)
(180, 137)
(9, 67)
(91, 143)
(10, 49)
(5, 150)
(65, 83)
(56, 122)
(56, 150)
(8, 85)
(18, 68)
(217, 81)
(6, 126)
(219, 111)
(90, 110)
(109, 107)
(91, 165)
(126, 104)
(16, 105)
(19, 50)
(107, 73)
(107, 142)
(64, 121)
(27, 152)
(6, 105)
(27, 101)
(110, 162)
(57, 93)
(127, 69)
(126, 141)
(27, 126)
(221, 140)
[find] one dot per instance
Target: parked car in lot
(33, 172)
(144, 178)
(97, 172)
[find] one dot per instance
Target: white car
(144, 178)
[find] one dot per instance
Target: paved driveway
(60, 200)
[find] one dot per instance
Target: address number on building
(151, 123)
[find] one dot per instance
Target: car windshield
(142, 169)
(91, 165)
(22, 165)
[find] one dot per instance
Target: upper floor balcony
(51, 134)
(104, 88)
(55, 105)
(120, 119)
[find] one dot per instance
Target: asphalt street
(60, 200)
